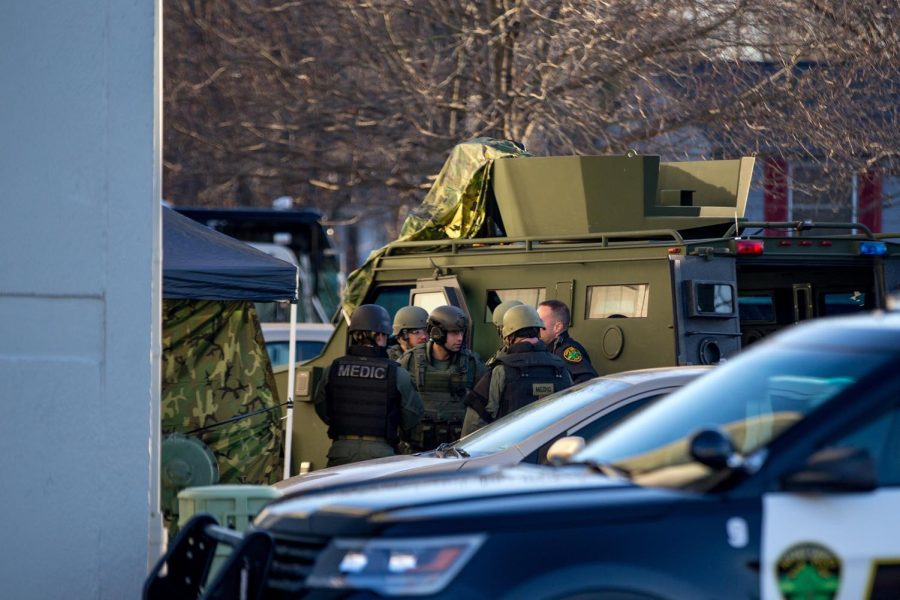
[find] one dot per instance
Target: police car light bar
(872, 248)
(749, 247)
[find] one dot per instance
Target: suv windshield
(519, 425)
(753, 400)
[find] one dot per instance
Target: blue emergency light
(872, 248)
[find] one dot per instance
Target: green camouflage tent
(217, 385)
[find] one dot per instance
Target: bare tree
(352, 105)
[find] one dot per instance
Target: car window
(278, 351)
(754, 399)
(881, 437)
(591, 429)
(537, 416)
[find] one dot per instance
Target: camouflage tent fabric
(454, 208)
(215, 368)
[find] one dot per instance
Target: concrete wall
(79, 296)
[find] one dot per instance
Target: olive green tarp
(455, 207)
(215, 368)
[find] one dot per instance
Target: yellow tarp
(454, 208)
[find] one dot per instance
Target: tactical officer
(367, 401)
(444, 371)
(524, 374)
(555, 334)
(497, 319)
(409, 330)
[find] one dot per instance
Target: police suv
(777, 475)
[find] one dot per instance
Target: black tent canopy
(202, 264)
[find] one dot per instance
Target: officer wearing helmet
(443, 371)
(367, 401)
(410, 325)
(524, 374)
(497, 320)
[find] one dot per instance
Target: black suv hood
(498, 495)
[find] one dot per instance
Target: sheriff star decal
(572, 354)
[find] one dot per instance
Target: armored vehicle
(655, 260)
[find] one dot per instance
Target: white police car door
(839, 545)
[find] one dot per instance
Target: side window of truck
(392, 298)
(530, 296)
(617, 301)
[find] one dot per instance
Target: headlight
(394, 567)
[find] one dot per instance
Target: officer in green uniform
(497, 320)
(368, 402)
(524, 374)
(409, 330)
(556, 317)
(444, 371)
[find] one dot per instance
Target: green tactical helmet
(410, 317)
(521, 317)
(370, 317)
(500, 310)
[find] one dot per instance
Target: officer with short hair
(368, 402)
(524, 374)
(497, 320)
(443, 371)
(410, 324)
(555, 335)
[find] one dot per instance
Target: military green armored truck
(654, 258)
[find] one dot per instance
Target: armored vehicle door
(442, 291)
(706, 316)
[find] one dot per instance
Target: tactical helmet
(370, 317)
(500, 310)
(520, 317)
(410, 317)
(444, 319)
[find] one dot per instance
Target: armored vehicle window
(430, 300)
(715, 299)
(610, 301)
(530, 296)
(756, 309)
(392, 298)
(842, 303)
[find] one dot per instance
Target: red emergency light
(749, 247)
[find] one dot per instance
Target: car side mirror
(713, 448)
(564, 448)
(834, 470)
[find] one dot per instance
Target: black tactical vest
(529, 376)
(362, 395)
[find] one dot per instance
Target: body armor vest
(394, 352)
(362, 395)
(442, 391)
(529, 376)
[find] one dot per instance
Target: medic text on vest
(364, 371)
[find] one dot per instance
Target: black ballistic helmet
(370, 317)
(444, 319)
